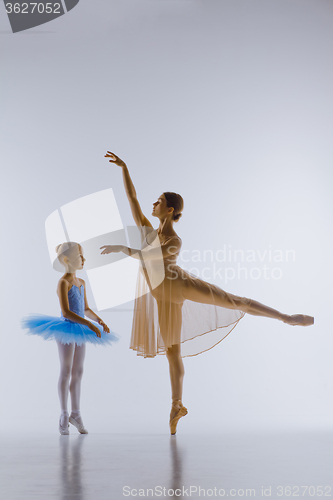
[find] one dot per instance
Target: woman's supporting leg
(176, 368)
(178, 410)
(75, 385)
(66, 353)
(170, 323)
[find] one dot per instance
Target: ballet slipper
(181, 412)
(80, 427)
(64, 431)
(299, 320)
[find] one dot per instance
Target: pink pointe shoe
(63, 429)
(80, 427)
(299, 319)
(178, 411)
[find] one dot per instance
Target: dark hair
(175, 201)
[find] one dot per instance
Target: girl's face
(76, 259)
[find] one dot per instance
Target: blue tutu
(65, 330)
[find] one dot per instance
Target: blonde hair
(64, 250)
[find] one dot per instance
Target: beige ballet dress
(173, 306)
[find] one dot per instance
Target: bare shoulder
(63, 285)
(172, 239)
(176, 236)
(176, 241)
(82, 282)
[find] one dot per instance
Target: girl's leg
(75, 386)
(66, 353)
(198, 290)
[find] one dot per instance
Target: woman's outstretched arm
(138, 216)
(172, 247)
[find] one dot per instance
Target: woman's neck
(165, 227)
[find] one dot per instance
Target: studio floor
(114, 466)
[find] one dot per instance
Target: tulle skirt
(65, 331)
(182, 309)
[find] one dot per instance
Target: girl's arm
(139, 218)
(67, 313)
(90, 313)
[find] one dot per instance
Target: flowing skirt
(182, 309)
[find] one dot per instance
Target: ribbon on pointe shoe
(63, 430)
(80, 427)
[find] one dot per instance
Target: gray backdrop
(228, 103)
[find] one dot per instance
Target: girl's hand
(115, 159)
(105, 327)
(112, 248)
(95, 329)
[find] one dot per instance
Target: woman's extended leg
(198, 290)
(66, 354)
(75, 385)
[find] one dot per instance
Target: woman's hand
(112, 248)
(95, 329)
(115, 159)
(105, 327)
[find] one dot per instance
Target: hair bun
(175, 201)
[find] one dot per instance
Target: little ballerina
(71, 332)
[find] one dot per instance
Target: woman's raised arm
(139, 218)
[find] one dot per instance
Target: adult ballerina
(173, 306)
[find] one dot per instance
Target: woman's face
(160, 208)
